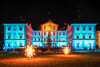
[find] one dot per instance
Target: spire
(49, 15)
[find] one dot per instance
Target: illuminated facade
(98, 39)
(83, 36)
(77, 36)
(15, 36)
(50, 33)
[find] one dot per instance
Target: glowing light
(30, 51)
(66, 50)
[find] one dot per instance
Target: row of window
(49, 33)
(53, 27)
(20, 28)
(20, 44)
(83, 37)
(84, 28)
(78, 45)
(14, 36)
(49, 39)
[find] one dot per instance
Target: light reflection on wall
(14, 35)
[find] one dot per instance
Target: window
(77, 37)
(60, 39)
(78, 28)
(53, 33)
(8, 44)
(39, 39)
(89, 36)
(35, 39)
(83, 37)
(90, 29)
(9, 36)
(59, 33)
(9, 28)
(63, 33)
(83, 28)
(63, 39)
(54, 27)
(44, 27)
(35, 33)
(44, 33)
(39, 33)
(20, 28)
(20, 36)
(77, 45)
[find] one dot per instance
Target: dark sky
(61, 11)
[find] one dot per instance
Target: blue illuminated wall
(83, 36)
(14, 36)
(57, 38)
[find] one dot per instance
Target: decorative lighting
(66, 50)
(30, 51)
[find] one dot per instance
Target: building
(69, 34)
(1, 37)
(15, 35)
(29, 33)
(98, 39)
(83, 36)
(50, 36)
(77, 36)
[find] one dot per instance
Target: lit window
(44, 27)
(64, 39)
(83, 28)
(54, 27)
(59, 39)
(77, 28)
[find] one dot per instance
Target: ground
(51, 60)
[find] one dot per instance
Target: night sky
(59, 11)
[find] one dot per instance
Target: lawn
(51, 60)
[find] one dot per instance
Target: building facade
(77, 36)
(15, 36)
(83, 36)
(49, 33)
(98, 39)
(1, 37)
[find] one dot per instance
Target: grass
(91, 59)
